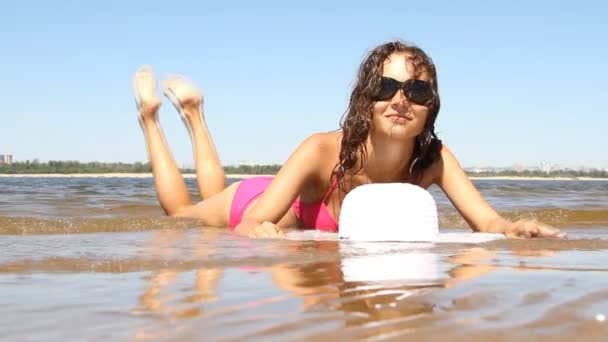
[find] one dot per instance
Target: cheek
(421, 112)
(380, 107)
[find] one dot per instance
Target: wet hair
(357, 120)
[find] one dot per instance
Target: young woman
(387, 135)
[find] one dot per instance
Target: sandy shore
(191, 175)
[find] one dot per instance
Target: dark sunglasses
(417, 91)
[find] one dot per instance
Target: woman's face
(397, 117)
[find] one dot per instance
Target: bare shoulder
(323, 142)
(445, 155)
(319, 153)
(446, 164)
(322, 148)
(435, 172)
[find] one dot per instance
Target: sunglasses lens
(420, 92)
(388, 88)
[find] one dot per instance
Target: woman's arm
(475, 210)
(300, 169)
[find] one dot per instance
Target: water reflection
(315, 283)
(385, 287)
(364, 290)
(167, 244)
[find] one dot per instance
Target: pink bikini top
(316, 215)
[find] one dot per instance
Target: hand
(525, 229)
(267, 230)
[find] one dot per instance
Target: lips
(400, 117)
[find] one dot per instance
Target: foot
(184, 94)
(144, 87)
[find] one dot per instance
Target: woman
(387, 136)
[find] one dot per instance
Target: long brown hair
(357, 120)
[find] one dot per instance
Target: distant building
(6, 158)
(545, 167)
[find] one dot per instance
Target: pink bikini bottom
(312, 215)
(248, 191)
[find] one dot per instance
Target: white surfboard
(389, 212)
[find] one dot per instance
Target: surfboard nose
(389, 212)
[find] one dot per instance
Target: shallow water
(95, 259)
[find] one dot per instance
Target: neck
(388, 160)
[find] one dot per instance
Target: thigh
(213, 211)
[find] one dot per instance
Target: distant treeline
(73, 167)
(65, 167)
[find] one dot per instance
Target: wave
(33, 226)
(135, 218)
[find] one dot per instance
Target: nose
(400, 102)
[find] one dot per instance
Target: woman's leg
(189, 103)
(170, 186)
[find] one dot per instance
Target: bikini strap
(332, 187)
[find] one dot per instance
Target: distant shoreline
(241, 176)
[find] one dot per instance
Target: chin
(401, 132)
(397, 129)
(407, 129)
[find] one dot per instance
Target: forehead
(399, 67)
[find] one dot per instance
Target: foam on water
(450, 237)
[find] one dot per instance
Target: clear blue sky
(521, 81)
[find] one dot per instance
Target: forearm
(497, 224)
(245, 226)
